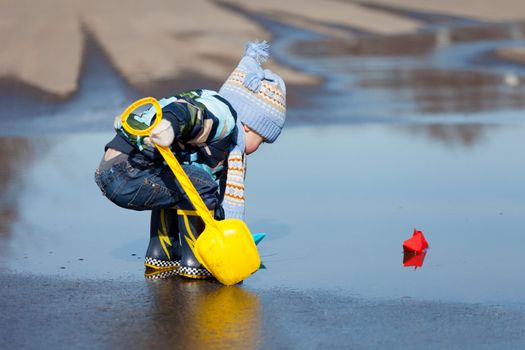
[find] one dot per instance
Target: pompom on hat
(258, 95)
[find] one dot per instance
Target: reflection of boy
(210, 133)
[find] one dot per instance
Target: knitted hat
(257, 95)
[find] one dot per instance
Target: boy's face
(253, 140)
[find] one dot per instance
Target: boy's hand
(117, 124)
(162, 134)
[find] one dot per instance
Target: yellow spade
(225, 248)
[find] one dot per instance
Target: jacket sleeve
(136, 122)
(193, 123)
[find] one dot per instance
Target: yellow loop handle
(143, 101)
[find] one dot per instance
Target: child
(210, 133)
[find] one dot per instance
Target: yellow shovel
(225, 248)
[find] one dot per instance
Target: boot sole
(160, 274)
(155, 272)
(156, 264)
(194, 272)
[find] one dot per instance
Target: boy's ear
(248, 130)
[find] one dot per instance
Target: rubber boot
(190, 228)
(164, 249)
(159, 274)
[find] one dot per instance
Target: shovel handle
(187, 186)
(168, 156)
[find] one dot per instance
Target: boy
(210, 133)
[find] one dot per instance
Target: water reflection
(411, 258)
(394, 45)
(448, 91)
(412, 44)
(453, 135)
(448, 71)
(203, 314)
(14, 158)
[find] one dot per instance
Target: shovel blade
(228, 251)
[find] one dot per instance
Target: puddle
(441, 72)
(335, 219)
(351, 207)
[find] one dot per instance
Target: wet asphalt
(42, 313)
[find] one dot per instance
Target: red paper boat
(411, 258)
(416, 243)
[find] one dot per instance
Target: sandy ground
(513, 54)
(44, 42)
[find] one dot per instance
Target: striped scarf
(233, 202)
